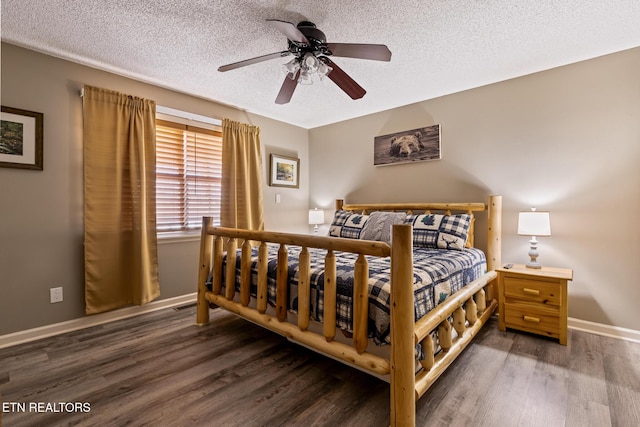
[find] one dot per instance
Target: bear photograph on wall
(413, 145)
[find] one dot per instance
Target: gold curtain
(242, 205)
(120, 241)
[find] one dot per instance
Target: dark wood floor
(160, 369)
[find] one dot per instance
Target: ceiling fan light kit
(309, 65)
(311, 54)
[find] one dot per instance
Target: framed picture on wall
(20, 139)
(284, 171)
(413, 145)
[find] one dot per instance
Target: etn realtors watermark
(40, 407)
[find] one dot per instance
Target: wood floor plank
(583, 413)
(460, 391)
(161, 369)
(623, 388)
(588, 403)
(198, 399)
(547, 397)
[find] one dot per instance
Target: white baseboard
(604, 330)
(20, 337)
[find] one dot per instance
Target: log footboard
(442, 334)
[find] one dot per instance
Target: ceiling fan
(311, 54)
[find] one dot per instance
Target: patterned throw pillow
(347, 224)
(378, 227)
(440, 231)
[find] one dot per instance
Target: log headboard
(494, 220)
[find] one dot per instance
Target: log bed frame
(407, 382)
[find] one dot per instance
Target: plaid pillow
(347, 224)
(440, 231)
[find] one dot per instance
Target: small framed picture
(284, 171)
(20, 139)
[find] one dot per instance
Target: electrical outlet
(55, 295)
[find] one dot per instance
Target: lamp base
(533, 254)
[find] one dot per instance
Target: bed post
(494, 232)
(206, 240)
(403, 394)
(494, 236)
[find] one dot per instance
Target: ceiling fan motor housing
(317, 40)
(312, 33)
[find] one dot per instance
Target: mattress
(437, 274)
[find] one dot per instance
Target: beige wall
(566, 140)
(41, 229)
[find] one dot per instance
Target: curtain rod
(190, 116)
(182, 114)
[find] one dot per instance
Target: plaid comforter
(437, 273)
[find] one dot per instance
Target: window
(188, 175)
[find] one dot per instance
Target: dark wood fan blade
(289, 30)
(342, 79)
(376, 52)
(254, 60)
(287, 88)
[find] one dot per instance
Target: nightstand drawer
(526, 316)
(547, 293)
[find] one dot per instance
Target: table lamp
(316, 216)
(534, 224)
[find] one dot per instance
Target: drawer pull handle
(531, 319)
(528, 291)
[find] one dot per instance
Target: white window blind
(188, 176)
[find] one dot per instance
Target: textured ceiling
(439, 46)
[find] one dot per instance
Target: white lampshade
(534, 223)
(316, 216)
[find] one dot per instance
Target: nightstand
(534, 300)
